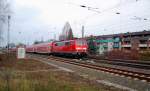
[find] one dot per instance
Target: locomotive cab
(76, 47)
(81, 47)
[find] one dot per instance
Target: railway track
(124, 63)
(125, 73)
(131, 61)
(133, 64)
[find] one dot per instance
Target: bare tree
(4, 13)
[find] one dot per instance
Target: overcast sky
(36, 19)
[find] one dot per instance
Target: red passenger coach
(75, 47)
(13, 49)
(43, 48)
(30, 48)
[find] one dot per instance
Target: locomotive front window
(81, 42)
(60, 44)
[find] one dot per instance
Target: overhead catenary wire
(116, 10)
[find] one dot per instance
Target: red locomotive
(76, 47)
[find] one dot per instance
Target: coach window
(56, 44)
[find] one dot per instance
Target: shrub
(145, 56)
(122, 54)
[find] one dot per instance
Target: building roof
(124, 34)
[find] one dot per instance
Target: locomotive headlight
(78, 48)
(84, 48)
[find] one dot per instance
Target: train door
(49, 48)
(72, 46)
(67, 46)
(55, 47)
(58, 47)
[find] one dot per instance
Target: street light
(90, 8)
(83, 6)
(82, 31)
(118, 13)
(8, 33)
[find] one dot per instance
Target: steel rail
(124, 63)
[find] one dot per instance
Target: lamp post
(8, 33)
(82, 31)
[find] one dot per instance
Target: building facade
(126, 41)
(136, 41)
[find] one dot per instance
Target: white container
(21, 53)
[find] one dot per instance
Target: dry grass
(10, 61)
(145, 56)
(17, 75)
(121, 54)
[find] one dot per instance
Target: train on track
(75, 47)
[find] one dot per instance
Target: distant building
(108, 43)
(67, 33)
(136, 40)
(124, 41)
(11, 45)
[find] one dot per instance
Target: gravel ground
(35, 75)
(107, 77)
